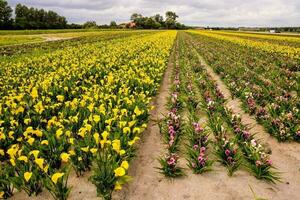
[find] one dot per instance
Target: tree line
(29, 18)
(33, 18)
(157, 21)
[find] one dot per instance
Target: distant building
(131, 25)
(274, 31)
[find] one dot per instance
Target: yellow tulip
(40, 162)
(34, 93)
(27, 176)
(120, 171)
(44, 142)
(23, 158)
(35, 153)
(56, 176)
(85, 149)
(125, 164)
(96, 118)
(65, 157)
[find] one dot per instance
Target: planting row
(78, 108)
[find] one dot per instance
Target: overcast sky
(191, 12)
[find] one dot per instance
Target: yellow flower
(126, 130)
(136, 130)
(93, 150)
(122, 152)
(34, 93)
(96, 118)
(131, 123)
(45, 142)
(27, 176)
(104, 135)
(12, 161)
(72, 153)
(120, 171)
(12, 151)
(35, 153)
(1, 194)
(39, 162)
(46, 168)
(85, 149)
(116, 144)
(82, 132)
(39, 108)
(2, 152)
(96, 137)
(65, 157)
(56, 176)
(68, 133)
(125, 164)
(118, 186)
(60, 98)
(58, 133)
(23, 158)
(137, 111)
(30, 141)
(71, 140)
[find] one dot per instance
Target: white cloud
(191, 12)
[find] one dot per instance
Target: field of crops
(115, 114)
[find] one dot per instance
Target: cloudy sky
(191, 12)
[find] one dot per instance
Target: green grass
(18, 39)
(34, 32)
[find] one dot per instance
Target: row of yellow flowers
(290, 38)
(80, 107)
(292, 52)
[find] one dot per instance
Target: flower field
(71, 107)
(215, 111)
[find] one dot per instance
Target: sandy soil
(51, 38)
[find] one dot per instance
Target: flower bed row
(230, 151)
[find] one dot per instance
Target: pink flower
(230, 159)
(202, 149)
(227, 152)
(195, 146)
(171, 161)
(270, 162)
(258, 163)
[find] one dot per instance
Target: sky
(225, 13)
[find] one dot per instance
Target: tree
(113, 24)
(171, 19)
(90, 25)
(158, 18)
(32, 18)
(135, 16)
(171, 15)
(5, 15)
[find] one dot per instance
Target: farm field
(149, 115)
